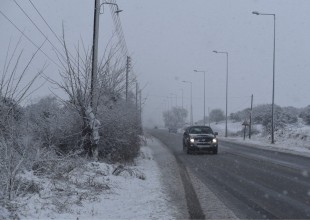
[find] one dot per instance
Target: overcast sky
(169, 39)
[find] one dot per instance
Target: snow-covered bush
(289, 115)
(216, 115)
(175, 118)
(55, 123)
(240, 115)
(10, 112)
(120, 131)
(305, 114)
(282, 116)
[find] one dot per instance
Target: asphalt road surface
(252, 182)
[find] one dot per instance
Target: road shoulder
(170, 178)
(265, 146)
(212, 206)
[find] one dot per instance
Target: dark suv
(200, 138)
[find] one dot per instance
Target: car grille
(204, 139)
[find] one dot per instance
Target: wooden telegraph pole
(250, 125)
(94, 71)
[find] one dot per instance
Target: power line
(59, 40)
(71, 59)
(25, 13)
(118, 28)
(45, 21)
(12, 23)
(121, 36)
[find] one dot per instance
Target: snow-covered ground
(294, 137)
(98, 190)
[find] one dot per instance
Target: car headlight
(192, 140)
(214, 140)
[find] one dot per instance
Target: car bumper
(203, 147)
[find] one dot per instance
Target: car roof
(199, 126)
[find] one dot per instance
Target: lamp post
(191, 116)
(224, 52)
(273, 74)
(204, 94)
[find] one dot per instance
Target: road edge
(265, 146)
(193, 206)
(169, 176)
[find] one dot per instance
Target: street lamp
(191, 116)
(215, 51)
(273, 74)
(204, 94)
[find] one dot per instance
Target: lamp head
(118, 11)
(255, 13)
(195, 71)
(214, 51)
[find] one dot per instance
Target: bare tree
(14, 89)
(175, 118)
(76, 81)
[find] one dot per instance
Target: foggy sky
(169, 39)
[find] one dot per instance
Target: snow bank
(294, 137)
(98, 190)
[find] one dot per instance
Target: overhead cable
(12, 23)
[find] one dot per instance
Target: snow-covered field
(294, 137)
(97, 190)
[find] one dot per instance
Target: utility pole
(94, 71)
(127, 74)
(137, 108)
(140, 112)
(137, 89)
(250, 126)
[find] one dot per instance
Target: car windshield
(200, 130)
